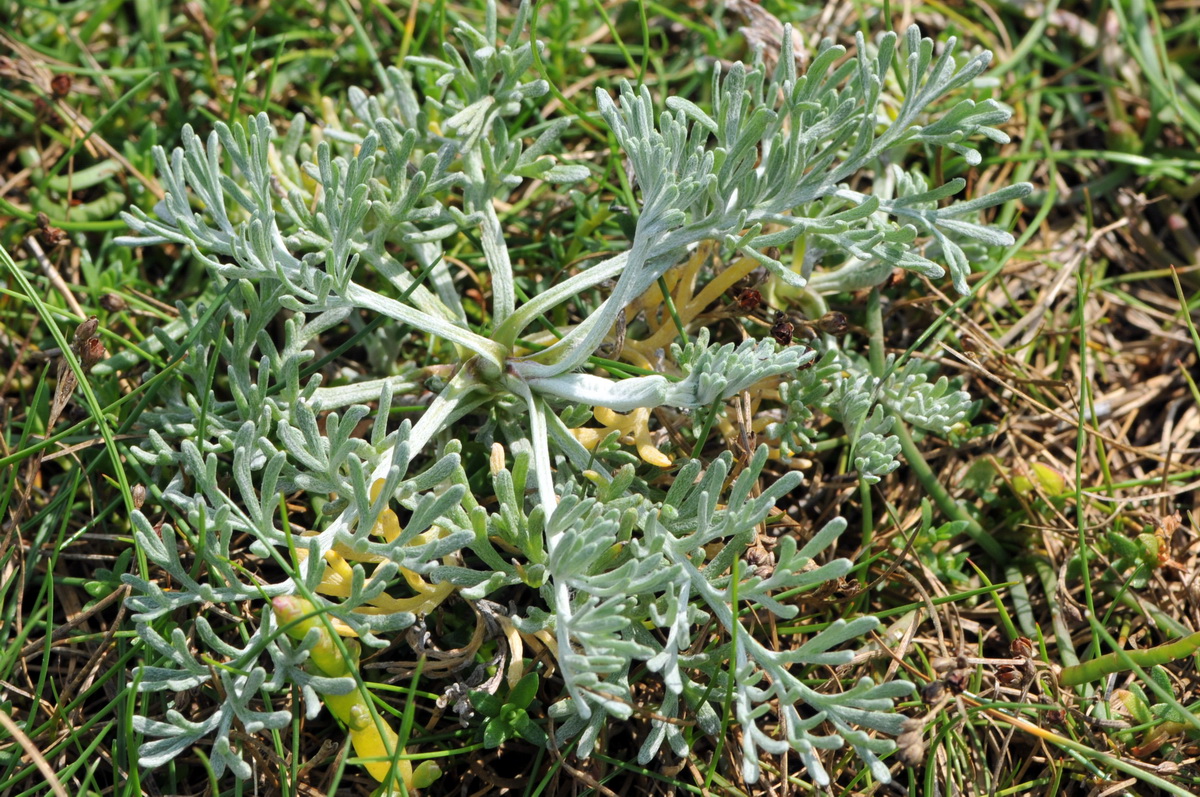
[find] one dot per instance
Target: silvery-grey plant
(308, 233)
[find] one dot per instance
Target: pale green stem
(511, 329)
(945, 502)
(419, 295)
(875, 327)
(916, 459)
(573, 350)
(495, 250)
(491, 233)
(360, 297)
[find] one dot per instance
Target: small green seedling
(1042, 478)
(933, 547)
(507, 718)
(1154, 723)
(105, 581)
(1141, 554)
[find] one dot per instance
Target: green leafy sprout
(507, 718)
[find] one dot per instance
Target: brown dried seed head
(834, 323)
(762, 560)
(968, 344)
(1008, 675)
(749, 300)
(86, 330)
(910, 744)
(93, 352)
(782, 330)
(1022, 646)
(51, 237)
(113, 303)
(138, 493)
(61, 85)
(933, 691)
(957, 681)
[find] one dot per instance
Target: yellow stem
(687, 306)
